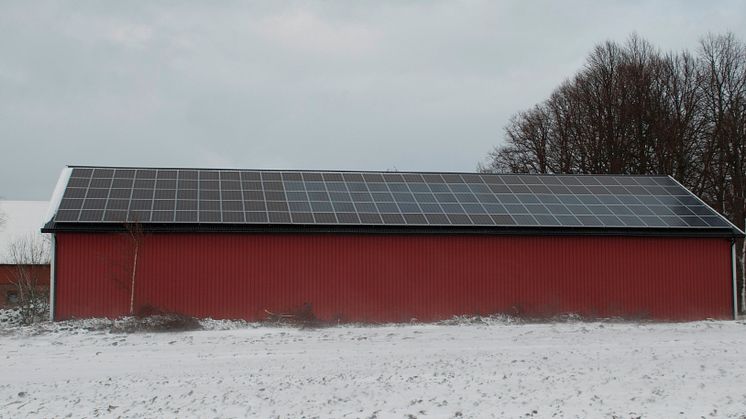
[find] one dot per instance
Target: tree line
(634, 109)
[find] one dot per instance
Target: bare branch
(634, 110)
(135, 233)
(30, 254)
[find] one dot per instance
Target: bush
(302, 317)
(169, 322)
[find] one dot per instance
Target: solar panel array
(106, 195)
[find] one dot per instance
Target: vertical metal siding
(9, 275)
(396, 277)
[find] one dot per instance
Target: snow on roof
(59, 190)
(22, 218)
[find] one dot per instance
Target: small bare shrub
(302, 317)
(165, 322)
(28, 254)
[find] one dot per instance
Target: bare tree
(29, 254)
(135, 235)
(723, 68)
(634, 110)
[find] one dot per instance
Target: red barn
(385, 246)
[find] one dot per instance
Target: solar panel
(106, 195)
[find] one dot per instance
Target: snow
(493, 368)
(22, 218)
(59, 190)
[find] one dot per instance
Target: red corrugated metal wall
(9, 274)
(395, 277)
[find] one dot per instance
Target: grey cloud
(408, 85)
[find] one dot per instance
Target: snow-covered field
(485, 369)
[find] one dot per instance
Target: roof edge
(740, 233)
(53, 227)
(429, 172)
(59, 191)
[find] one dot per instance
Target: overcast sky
(404, 85)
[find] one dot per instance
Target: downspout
(54, 204)
(52, 277)
(733, 277)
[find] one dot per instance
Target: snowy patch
(471, 368)
(9, 318)
(212, 324)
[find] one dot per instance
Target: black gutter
(53, 227)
